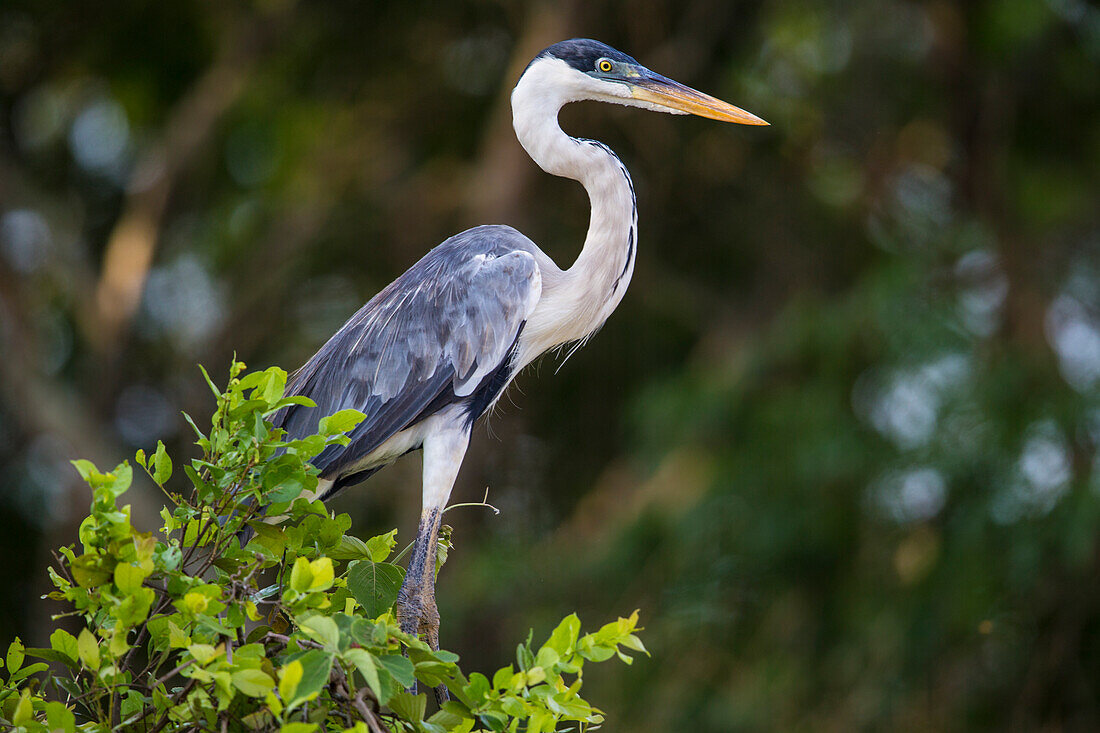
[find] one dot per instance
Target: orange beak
(659, 90)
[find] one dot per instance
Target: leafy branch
(185, 629)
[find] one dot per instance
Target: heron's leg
(416, 610)
(444, 449)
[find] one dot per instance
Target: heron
(436, 348)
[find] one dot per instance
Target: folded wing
(434, 337)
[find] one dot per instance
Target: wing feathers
(429, 338)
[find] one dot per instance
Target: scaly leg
(444, 449)
(416, 608)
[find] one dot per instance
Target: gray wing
(434, 336)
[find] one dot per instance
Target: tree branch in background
(190, 126)
(498, 181)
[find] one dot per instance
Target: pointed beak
(674, 96)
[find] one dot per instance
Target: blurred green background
(839, 442)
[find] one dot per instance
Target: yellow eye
(604, 65)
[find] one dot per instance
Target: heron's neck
(593, 286)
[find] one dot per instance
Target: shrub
(184, 629)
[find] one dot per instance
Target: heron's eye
(604, 65)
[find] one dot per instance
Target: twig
(173, 673)
(341, 693)
(175, 701)
(369, 718)
(484, 502)
(286, 640)
(154, 663)
(404, 552)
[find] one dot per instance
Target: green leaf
(308, 446)
(350, 548)
(290, 676)
(128, 577)
(381, 546)
(65, 643)
(329, 532)
(322, 629)
(271, 537)
(275, 385)
(86, 469)
(177, 637)
(503, 678)
(564, 637)
(633, 642)
(375, 585)
(60, 718)
(88, 570)
(162, 464)
(451, 716)
(540, 721)
(409, 707)
(286, 482)
(431, 672)
(15, 655)
(193, 602)
(493, 719)
(88, 649)
(210, 382)
(132, 703)
(253, 682)
(203, 653)
(400, 667)
(51, 655)
(322, 574)
(316, 666)
(535, 675)
(548, 658)
(118, 480)
(24, 709)
(479, 687)
(198, 433)
(593, 651)
(298, 728)
(118, 644)
(514, 706)
(28, 671)
(524, 658)
(300, 575)
(340, 422)
(365, 663)
(362, 632)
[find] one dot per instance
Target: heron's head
(580, 69)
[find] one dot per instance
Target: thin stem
(365, 712)
(484, 502)
(472, 503)
(175, 701)
(404, 552)
(173, 673)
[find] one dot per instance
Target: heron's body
(428, 355)
(519, 303)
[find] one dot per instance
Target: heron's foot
(418, 616)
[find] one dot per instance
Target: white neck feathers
(576, 306)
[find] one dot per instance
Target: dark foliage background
(839, 441)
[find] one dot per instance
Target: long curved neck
(592, 287)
